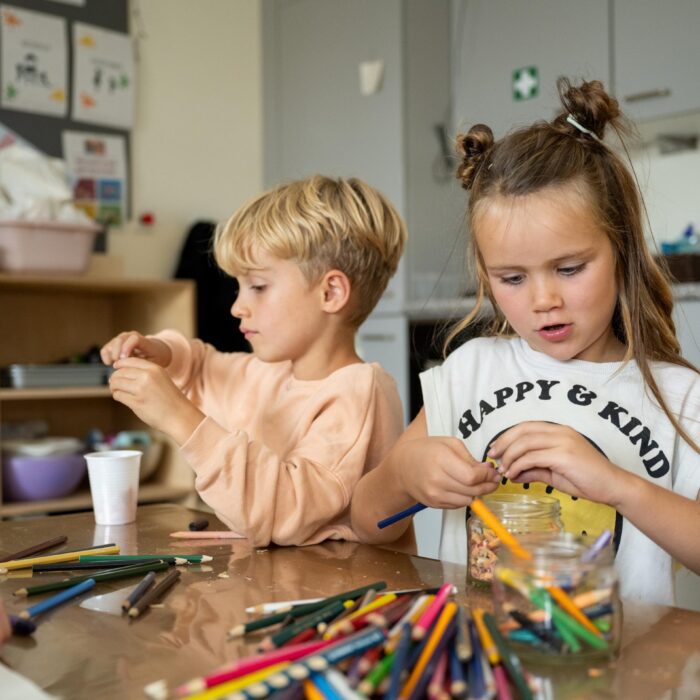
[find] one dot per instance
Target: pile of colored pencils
(363, 643)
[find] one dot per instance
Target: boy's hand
(149, 392)
(561, 457)
(133, 344)
(440, 472)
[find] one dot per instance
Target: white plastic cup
(114, 485)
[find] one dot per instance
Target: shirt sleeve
(289, 499)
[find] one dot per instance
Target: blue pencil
(415, 508)
(400, 662)
(20, 626)
(57, 599)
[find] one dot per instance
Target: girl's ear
(335, 289)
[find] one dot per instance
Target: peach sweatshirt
(277, 458)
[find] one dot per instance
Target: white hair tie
(581, 128)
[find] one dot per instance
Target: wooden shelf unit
(46, 319)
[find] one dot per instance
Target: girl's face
(280, 311)
(552, 273)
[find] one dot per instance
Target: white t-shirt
(491, 384)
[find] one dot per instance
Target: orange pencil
(492, 522)
(567, 604)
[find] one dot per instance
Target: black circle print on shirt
(600, 516)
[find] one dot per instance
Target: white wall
(197, 141)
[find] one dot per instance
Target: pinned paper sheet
(371, 76)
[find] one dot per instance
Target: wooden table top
(85, 653)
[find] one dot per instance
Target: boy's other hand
(133, 344)
(150, 393)
(440, 472)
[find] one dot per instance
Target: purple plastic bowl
(41, 478)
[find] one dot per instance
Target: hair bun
(473, 148)
(589, 104)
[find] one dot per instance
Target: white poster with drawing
(96, 166)
(103, 76)
(34, 62)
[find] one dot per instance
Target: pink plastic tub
(46, 246)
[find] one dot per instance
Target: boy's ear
(335, 288)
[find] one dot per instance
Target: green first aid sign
(525, 83)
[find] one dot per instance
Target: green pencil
(122, 572)
(191, 558)
(509, 659)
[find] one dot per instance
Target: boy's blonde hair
(322, 224)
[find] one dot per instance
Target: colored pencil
(436, 638)
(345, 648)
(147, 581)
(35, 549)
(121, 572)
(89, 565)
(463, 642)
(208, 535)
(303, 623)
(509, 659)
(458, 679)
(407, 512)
(311, 691)
(299, 610)
(502, 687)
(597, 547)
(482, 511)
(475, 667)
(441, 643)
(281, 606)
(376, 675)
(431, 612)
(346, 625)
(14, 564)
(569, 606)
(400, 661)
(487, 644)
(57, 599)
(543, 634)
(437, 679)
(412, 615)
(170, 558)
(249, 665)
(155, 593)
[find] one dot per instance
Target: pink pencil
(426, 619)
(502, 687)
(250, 665)
(208, 535)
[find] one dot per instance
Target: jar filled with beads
(562, 604)
(520, 514)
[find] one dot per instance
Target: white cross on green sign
(526, 83)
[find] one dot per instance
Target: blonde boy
(279, 438)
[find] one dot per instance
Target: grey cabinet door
(657, 57)
(494, 39)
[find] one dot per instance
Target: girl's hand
(133, 344)
(559, 456)
(149, 392)
(440, 472)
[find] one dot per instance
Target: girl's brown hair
(569, 150)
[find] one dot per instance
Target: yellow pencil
(379, 602)
(219, 691)
(55, 558)
(487, 643)
(567, 604)
(492, 522)
(446, 616)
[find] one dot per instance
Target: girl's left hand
(559, 456)
(149, 392)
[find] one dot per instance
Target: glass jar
(520, 514)
(557, 607)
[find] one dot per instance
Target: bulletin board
(43, 131)
(46, 132)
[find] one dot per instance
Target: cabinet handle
(378, 337)
(647, 95)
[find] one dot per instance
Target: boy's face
(280, 312)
